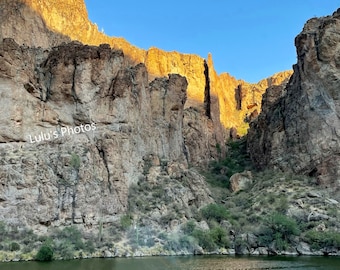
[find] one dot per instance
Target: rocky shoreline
(302, 249)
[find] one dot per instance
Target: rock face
(299, 127)
(79, 127)
(90, 133)
(21, 22)
(69, 18)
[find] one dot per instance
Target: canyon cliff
(299, 127)
(69, 19)
(81, 127)
(140, 127)
(105, 137)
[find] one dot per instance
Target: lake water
(184, 263)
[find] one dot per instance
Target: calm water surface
(184, 263)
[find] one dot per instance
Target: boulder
(240, 181)
(304, 249)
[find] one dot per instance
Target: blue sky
(251, 40)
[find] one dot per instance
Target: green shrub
(89, 246)
(282, 205)
(219, 236)
(67, 251)
(189, 227)
(240, 245)
(173, 242)
(204, 240)
(215, 212)
(30, 237)
(280, 243)
(167, 218)
(178, 242)
(75, 161)
(14, 246)
(280, 229)
(236, 160)
(125, 221)
(283, 224)
(218, 148)
(72, 236)
(187, 242)
(242, 200)
(319, 240)
(45, 254)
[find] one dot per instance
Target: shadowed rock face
(78, 127)
(299, 127)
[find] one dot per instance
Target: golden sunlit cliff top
(70, 18)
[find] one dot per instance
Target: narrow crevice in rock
(163, 100)
(316, 42)
(103, 157)
(207, 100)
(74, 192)
(238, 97)
(48, 89)
(73, 89)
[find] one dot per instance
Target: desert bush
(72, 236)
(189, 227)
(215, 212)
(204, 239)
(126, 221)
(75, 161)
(30, 237)
(240, 245)
(319, 240)
(66, 251)
(14, 246)
(280, 229)
(187, 242)
(220, 237)
(281, 205)
(45, 253)
(89, 246)
(178, 243)
(165, 219)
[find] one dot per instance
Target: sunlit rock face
(299, 128)
(69, 18)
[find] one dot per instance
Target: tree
(45, 254)
(280, 229)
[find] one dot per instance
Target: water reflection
(184, 263)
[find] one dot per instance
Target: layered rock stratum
(299, 127)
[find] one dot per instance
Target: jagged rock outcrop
(223, 89)
(69, 18)
(78, 127)
(299, 127)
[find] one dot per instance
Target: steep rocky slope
(80, 127)
(69, 18)
(299, 128)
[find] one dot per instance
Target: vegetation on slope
(277, 213)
